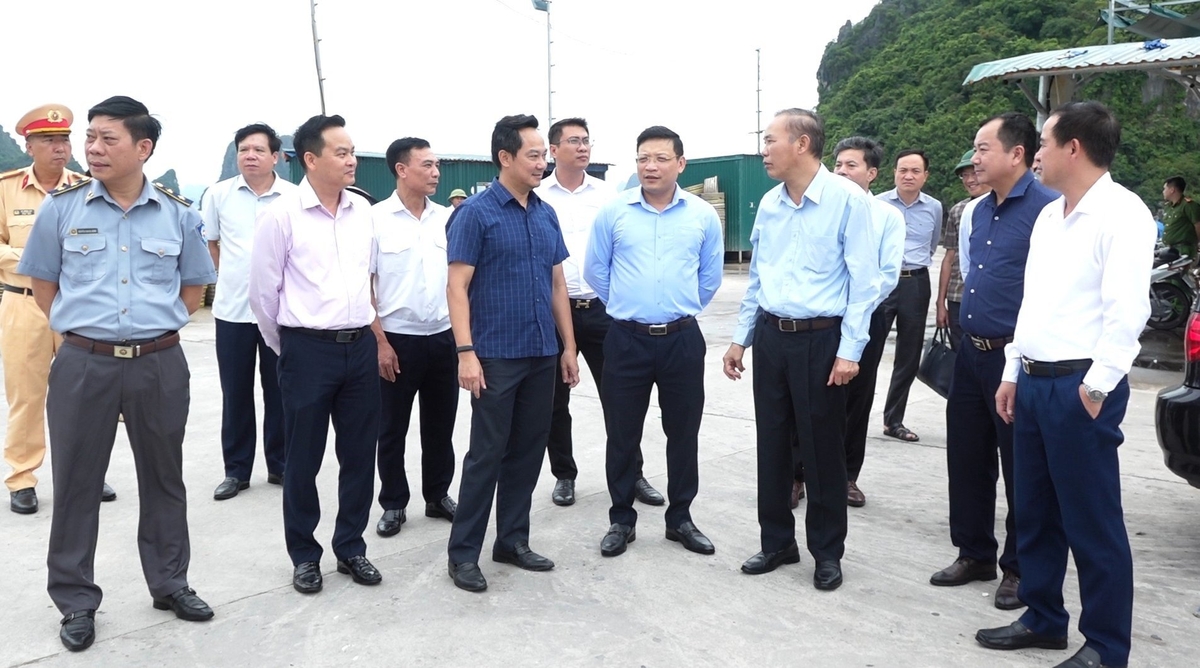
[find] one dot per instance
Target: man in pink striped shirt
(310, 289)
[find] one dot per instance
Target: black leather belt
(123, 350)
(20, 291)
(582, 303)
(1054, 369)
(802, 324)
(908, 273)
(658, 330)
(990, 344)
(338, 335)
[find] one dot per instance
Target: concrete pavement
(657, 605)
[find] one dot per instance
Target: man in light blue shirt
(908, 305)
(655, 260)
(815, 278)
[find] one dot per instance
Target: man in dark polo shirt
(506, 293)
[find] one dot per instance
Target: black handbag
(937, 363)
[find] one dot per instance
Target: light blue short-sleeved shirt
(118, 272)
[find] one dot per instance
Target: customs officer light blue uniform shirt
(816, 259)
(118, 272)
(655, 267)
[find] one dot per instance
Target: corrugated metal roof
(1174, 54)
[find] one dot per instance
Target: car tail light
(1191, 342)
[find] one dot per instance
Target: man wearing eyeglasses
(950, 281)
(654, 259)
(576, 197)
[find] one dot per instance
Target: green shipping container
(469, 172)
(744, 181)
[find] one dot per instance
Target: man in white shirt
(229, 210)
(416, 347)
(576, 197)
(1065, 391)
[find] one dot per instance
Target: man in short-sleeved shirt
(118, 265)
(507, 295)
(1181, 218)
(229, 210)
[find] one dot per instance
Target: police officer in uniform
(118, 264)
(26, 343)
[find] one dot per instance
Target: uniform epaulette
(72, 186)
(11, 173)
(167, 191)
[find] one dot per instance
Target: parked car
(1177, 411)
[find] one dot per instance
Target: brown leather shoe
(1006, 593)
(962, 571)
(797, 493)
(854, 495)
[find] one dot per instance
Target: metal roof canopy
(1061, 71)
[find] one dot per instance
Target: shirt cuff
(744, 335)
(1103, 378)
(851, 351)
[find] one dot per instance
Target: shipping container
(744, 181)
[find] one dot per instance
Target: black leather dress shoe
(564, 493)
(274, 478)
(444, 509)
(522, 557)
(1006, 593)
(962, 571)
(78, 630)
(23, 501)
(1086, 657)
(1017, 636)
(616, 540)
(691, 538)
(389, 524)
(108, 494)
(467, 576)
(361, 570)
(828, 575)
(764, 562)
(644, 492)
(186, 605)
(229, 488)
(307, 578)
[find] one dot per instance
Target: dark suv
(1177, 412)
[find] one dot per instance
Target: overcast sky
(444, 70)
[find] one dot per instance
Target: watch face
(1096, 395)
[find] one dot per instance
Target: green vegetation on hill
(897, 77)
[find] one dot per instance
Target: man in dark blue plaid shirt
(506, 293)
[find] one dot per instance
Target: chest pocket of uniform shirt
(821, 254)
(159, 260)
(395, 254)
(83, 259)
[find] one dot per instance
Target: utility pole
(544, 6)
(312, 6)
(1112, 8)
(758, 102)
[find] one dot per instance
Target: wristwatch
(1094, 395)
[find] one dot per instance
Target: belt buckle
(1025, 366)
(982, 344)
(126, 352)
(657, 330)
(784, 323)
(346, 336)
(583, 303)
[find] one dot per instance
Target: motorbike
(1173, 286)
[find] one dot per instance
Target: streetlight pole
(544, 6)
(312, 8)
